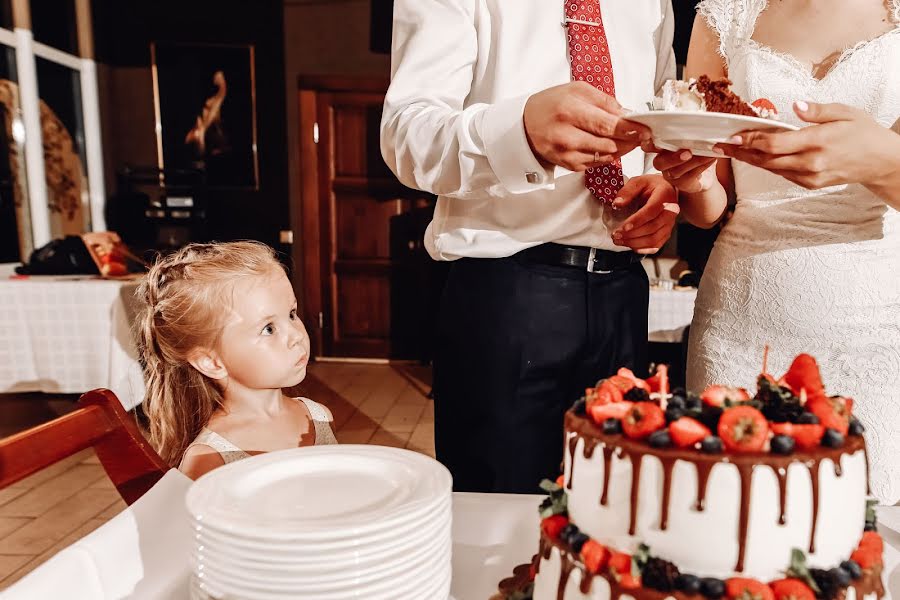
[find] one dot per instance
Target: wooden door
(349, 199)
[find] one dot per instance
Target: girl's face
(264, 344)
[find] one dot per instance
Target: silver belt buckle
(592, 258)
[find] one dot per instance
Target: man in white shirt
(546, 293)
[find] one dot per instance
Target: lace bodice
(231, 452)
(808, 270)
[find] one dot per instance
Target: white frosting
(680, 95)
(706, 543)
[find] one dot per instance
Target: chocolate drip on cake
(703, 471)
(781, 474)
(637, 460)
(567, 565)
(585, 429)
(746, 472)
(718, 97)
(544, 552)
(572, 443)
(814, 478)
(668, 465)
(607, 466)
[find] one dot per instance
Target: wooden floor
(372, 404)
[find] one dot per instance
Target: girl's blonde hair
(186, 296)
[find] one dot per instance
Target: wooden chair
(99, 422)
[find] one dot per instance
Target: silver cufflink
(532, 177)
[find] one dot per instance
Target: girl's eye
(268, 329)
(293, 315)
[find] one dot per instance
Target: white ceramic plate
(301, 566)
(419, 575)
(409, 527)
(438, 591)
(700, 131)
(263, 561)
(318, 492)
(421, 565)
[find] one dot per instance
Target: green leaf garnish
(639, 560)
(799, 570)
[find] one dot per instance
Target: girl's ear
(208, 362)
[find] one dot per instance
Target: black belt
(593, 260)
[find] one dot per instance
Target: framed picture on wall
(205, 100)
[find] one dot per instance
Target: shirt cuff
(508, 151)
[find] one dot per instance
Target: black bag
(67, 256)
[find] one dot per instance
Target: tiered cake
(719, 496)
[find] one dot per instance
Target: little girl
(220, 338)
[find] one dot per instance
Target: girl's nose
(294, 337)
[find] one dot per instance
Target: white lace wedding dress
(808, 271)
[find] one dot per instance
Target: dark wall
(685, 10)
(123, 34)
(381, 25)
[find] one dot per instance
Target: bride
(810, 261)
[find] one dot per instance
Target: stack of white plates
(325, 522)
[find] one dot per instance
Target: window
(52, 145)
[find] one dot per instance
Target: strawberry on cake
(723, 495)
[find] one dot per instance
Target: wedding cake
(725, 495)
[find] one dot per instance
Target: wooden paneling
(363, 306)
(363, 226)
(350, 203)
(357, 118)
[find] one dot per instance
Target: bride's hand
(845, 145)
(687, 173)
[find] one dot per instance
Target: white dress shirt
(462, 71)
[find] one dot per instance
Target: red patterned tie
(591, 62)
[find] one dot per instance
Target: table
(69, 335)
(144, 551)
(670, 313)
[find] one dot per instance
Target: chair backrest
(99, 422)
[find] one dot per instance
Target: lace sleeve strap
(732, 20)
(895, 11)
(719, 16)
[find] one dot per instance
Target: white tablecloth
(670, 312)
(143, 552)
(64, 335)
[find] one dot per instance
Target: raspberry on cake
(710, 95)
(740, 497)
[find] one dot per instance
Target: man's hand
(650, 226)
(576, 126)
